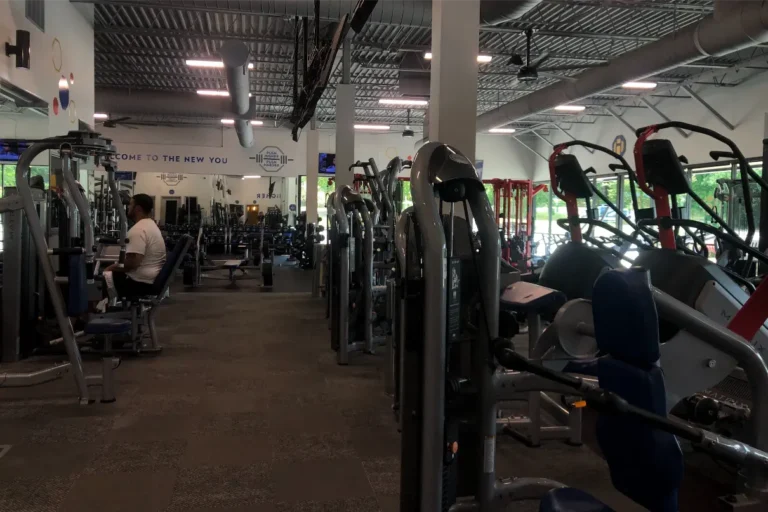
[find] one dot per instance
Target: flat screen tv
(11, 149)
(327, 163)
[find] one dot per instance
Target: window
(704, 184)
(324, 188)
(34, 10)
(541, 224)
(609, 187)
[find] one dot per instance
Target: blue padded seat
(107, 325)
(646, 464)
(569, 499)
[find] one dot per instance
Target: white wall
(203, 187)
(744, 106)
(65, 49)
(214, 150)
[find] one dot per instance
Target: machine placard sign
(619, 145)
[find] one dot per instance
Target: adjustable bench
(143, 309)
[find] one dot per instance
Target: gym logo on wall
(271, 159)
(171, 178)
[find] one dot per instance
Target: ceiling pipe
(735, 28)
(496, 12)
(235, 56)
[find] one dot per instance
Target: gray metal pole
(367, 275)
(118, 205)
(36, 230)
(346, 61)
(81, 202)
(488, 269)
(435, 268)
(342, 225)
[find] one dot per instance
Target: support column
(453, 88)
(313, 152)
(345, 121)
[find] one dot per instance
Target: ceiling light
(402, 101)
(640, 85)
(482, 59)
(251, 177)
(501, 130)
(570, 108)
(232, 121)
(380, 127)
(100, 116)
(212, 92)
(194, 63)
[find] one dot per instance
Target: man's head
(140, 207)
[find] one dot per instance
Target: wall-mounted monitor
(11, 149)
(327, 163)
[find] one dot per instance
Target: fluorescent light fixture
(194, 63)
(640, 85)
(482, 59)
(402, 101)
(379, 127)
(570, 108)
(212, 92)
(100, 116)
(232, 121)
(501, 130)
(251, 177)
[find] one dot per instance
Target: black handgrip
(683, 159)
(66, 251)
(716, 155)
(617, 167)
(109, 240)
(590, 170)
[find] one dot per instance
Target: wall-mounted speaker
(20, 49)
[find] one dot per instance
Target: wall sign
(272, 158)
(171, 191)
(292, 208)
(619, 145)
(171, 178)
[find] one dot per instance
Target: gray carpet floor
(244, 410)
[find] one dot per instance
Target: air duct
(496, 12)
(735, 28)
(235, 56)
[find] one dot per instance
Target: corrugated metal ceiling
(142, 44)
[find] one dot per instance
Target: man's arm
(132, 262)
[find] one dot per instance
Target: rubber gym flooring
(245, 410)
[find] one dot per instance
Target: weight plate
(575, 329)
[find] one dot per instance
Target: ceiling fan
(530, 70)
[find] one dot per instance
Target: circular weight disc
(574, 323)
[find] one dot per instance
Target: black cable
(483, 311)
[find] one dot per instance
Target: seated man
(144, 253)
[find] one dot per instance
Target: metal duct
(496, 12)
(235, 56)
(735, 29)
